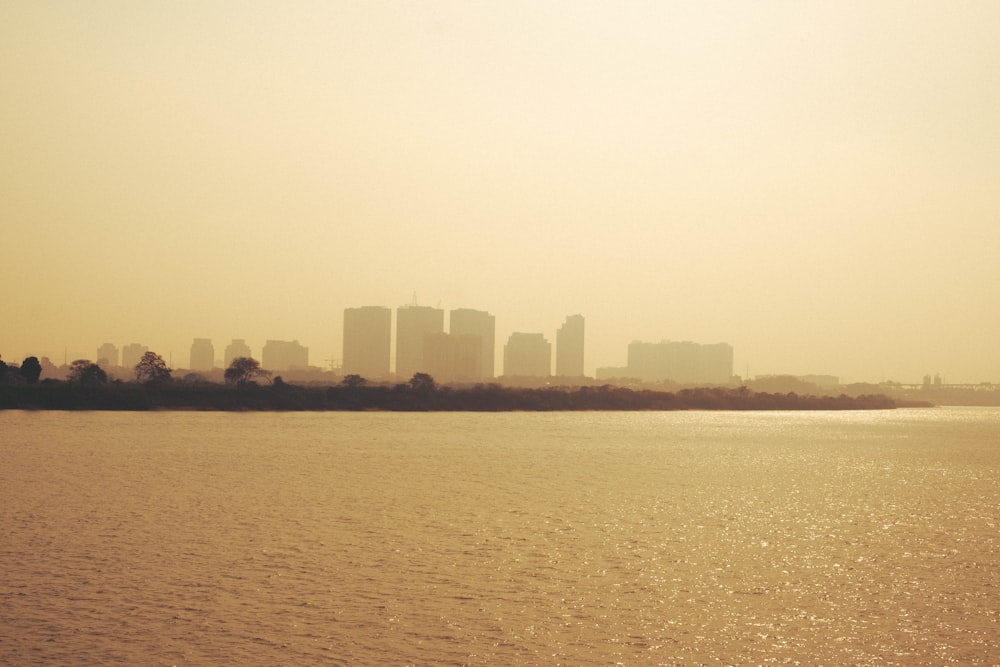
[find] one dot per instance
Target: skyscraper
(202, 355)
(367, 341)
(569, 347)
(527, 355)
(413, 324)
(238, 348)
(132, 354)
(107, 356)
(283, 355)
(453, 357)
(466, 322)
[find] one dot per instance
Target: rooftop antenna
(414, 302)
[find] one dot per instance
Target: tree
(85, 372)
(31, 369)
(423, 383)
(243, 370)
(152, 369)
(351, 381)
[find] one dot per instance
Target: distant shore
(280, 396)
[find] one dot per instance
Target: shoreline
(283, 397)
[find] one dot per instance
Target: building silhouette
(132, 354)
(238, 348)
(469, 322)
(527, 355)
(453, 357)
(413, 324)
(202, 355)
(468, 357)
(367, 341)
(683, 362)
(282, 355)
(107, 356)
(569, 347)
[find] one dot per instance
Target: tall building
(715, 363)
(367, 341)
(527, 355)
(132, 354)
(283, 355)
(684, 362)
(413, 324)
(107, 356)
(238, 348)
(569, 347)
(469, 322)
(453, 357)
(202, 355)
(469, 357)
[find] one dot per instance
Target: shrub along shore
(422, 395)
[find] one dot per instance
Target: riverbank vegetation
(248, 387)
(420, 394)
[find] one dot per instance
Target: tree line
(151, 370)
(87, 387)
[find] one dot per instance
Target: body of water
(603, 538)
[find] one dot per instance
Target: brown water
(865, 538)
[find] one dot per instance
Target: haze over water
(808, 538)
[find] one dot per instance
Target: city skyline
(813, 183)
(572, 326)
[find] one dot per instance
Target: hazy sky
(815, 183)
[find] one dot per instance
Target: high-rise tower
(283, 355)
(132, 354)
(367, 341)
(202, 355)
(238, 348)
(469, 322)
(107, 356)
(569, 347)
(413, 324)
(527, 355)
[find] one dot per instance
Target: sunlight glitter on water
(594, 539)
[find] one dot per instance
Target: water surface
(832, 538)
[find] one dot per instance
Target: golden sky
(815, 183)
